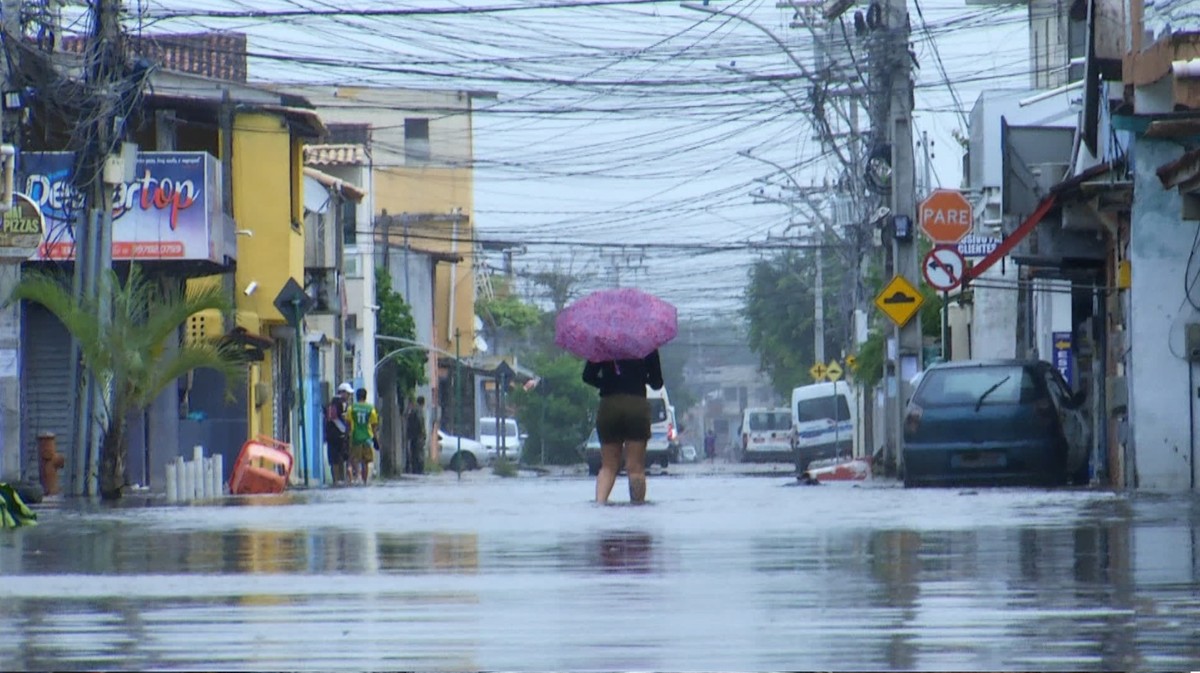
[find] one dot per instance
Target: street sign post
(294, 303)
(817, 371)
(899, 300)
(503, 373)
(833, 371)
(946, 216)
(943, 268)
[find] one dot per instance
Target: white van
(490, 437)
(824, 419)
(766, 435)
(662, 427)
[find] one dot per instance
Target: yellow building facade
(422, 153)
(436, 204)
(268, 193)
(266, 163)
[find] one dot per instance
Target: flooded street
(720, 571)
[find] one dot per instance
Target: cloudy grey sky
(621, 124)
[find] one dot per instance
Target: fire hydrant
(50, 462)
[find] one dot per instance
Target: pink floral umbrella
(621, 324)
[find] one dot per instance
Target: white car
(469, 455)
(490, 438)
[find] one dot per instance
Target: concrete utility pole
(907, 352)
(93, 244)
(10, 317)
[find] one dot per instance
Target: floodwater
(719, 571)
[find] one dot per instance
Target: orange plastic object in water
(262, 466)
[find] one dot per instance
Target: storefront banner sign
(1063, 359)
(22, 229)
(975, 246)
(166, 213)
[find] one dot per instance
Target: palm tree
(129, 356)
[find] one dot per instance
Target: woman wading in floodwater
(623, 420)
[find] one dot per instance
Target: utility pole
(819, 309)
(93, 236)
(10, 316)
(907, 352)
(457, 416)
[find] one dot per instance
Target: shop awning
(1048, 203)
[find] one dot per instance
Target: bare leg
(635, 467)
(610, 463)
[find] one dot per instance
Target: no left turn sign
(943, 269)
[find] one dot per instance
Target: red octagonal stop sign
(945, 216)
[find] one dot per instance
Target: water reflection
(434, 577)
(625, 552)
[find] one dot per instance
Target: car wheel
(665, 462)
(469, 462)
(456, 462)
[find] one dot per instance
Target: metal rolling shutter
(48, 399)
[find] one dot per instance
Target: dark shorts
(623, 418)
(338, 449)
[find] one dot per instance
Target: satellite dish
(480, 344)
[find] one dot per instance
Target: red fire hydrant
(51, 461)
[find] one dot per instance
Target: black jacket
(625, 377)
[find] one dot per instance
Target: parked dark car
(1009, 422)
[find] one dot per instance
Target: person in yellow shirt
(364, 422)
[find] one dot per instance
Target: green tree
(395, 319)
(779, 311)
(558, 411)
(673, 359)
(505, 310)
(131, 356)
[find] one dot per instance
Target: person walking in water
(337, 435)
(414, 428)
(364, 421)
(623, 420)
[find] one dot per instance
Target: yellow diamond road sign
(851, 362)
(817, 371)
(833, 371)
(899, 300)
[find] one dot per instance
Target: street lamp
(819, 287)
(823, 125)
(411, 345)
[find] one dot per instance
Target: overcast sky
(622, 124)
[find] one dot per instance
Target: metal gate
(48, 399)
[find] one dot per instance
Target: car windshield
(976, 386)
(489, 425)
(833, 407)
(770, 420)
(658, 410)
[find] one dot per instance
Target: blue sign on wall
(1064, 360)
